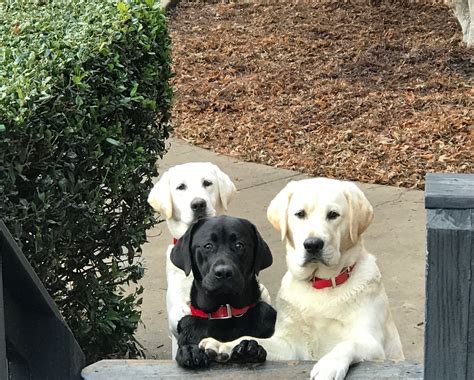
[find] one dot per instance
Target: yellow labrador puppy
(332, 306)
(182, 195)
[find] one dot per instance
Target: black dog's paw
(248, 351)
(191, 356)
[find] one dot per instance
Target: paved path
(396, 237)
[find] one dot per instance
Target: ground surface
(379, 94)
(396, 237)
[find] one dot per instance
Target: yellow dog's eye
(206, 183)
(181, 187)
(332, 215)
(300, 214)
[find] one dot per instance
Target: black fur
(235, 245)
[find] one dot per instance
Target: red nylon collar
(175, 241)
(224, 312)
(341, 278)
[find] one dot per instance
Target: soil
(378, 92)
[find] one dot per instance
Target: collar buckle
(228, 316)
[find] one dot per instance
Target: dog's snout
(198, 205)
(313, 245)
(223, 272)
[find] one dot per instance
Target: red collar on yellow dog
(224, 312)
(341, 278)
(175, 241)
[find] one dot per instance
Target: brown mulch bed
(375, 93)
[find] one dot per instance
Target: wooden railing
(35, 341)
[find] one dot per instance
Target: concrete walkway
(396, 237)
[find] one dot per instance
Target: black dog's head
(223, 252)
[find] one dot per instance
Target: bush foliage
(84, 113)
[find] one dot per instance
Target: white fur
(175, 206)
(336, 326)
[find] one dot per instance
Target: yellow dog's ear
(277, 212)
(361, 212)
(160, 197)
(226, 187)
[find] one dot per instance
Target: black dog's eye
(300, 214)
(239, 245)
(206, 183)
(181, 187)
(208, 246)
(332, 215)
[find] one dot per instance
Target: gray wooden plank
(449, 190)
(447, 293)
(168, 369)
(22, 352)
(3, 349)
(20, 271)
(470, 350)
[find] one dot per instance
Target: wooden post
(449, 330)
(3, 344)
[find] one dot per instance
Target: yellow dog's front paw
(215, 350)
(329, 368)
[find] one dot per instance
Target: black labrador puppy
(225, 255)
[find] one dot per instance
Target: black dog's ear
(181, 253)
(263, 255)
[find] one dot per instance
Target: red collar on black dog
(175, 241)
(224, 312)
(341, 278)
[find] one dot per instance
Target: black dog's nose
(223, 272)
(313, 245)
(198, 205)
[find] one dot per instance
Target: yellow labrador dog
(182, 195)
(332, 306)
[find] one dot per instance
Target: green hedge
(84, 113)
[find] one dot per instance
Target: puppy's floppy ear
(263, 255)
(160, 197)
(277, 212)
(226, 187)
(181, 253)
(361, 212)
